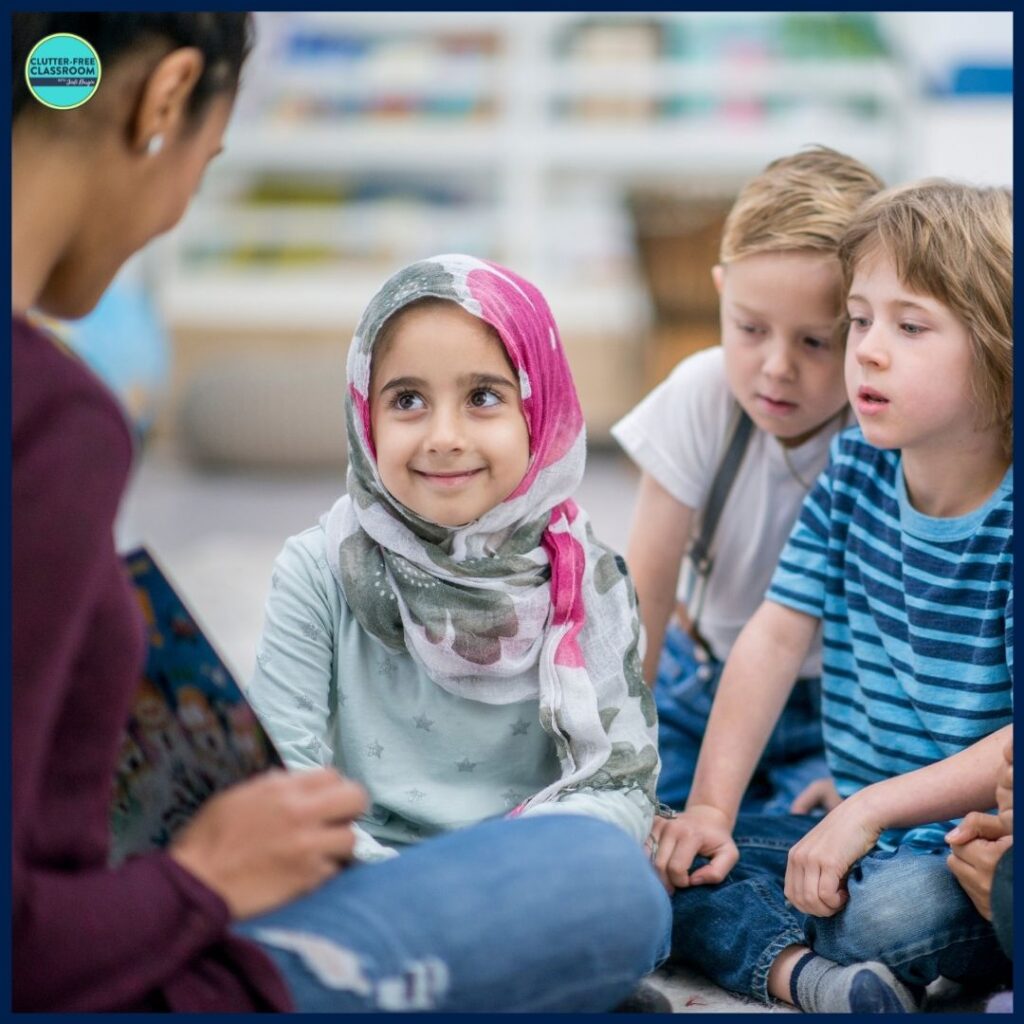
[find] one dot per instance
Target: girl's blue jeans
(683, 692)
(557, 913)
(905, 909)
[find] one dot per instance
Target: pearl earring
(155, 144)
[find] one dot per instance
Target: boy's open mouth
(870, 402)
(776, 405)
(871, 396)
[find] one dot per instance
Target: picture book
(190, 733)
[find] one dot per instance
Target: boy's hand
(978, 842)
(819, 863)
(699, 831)
(820, 793)
(1004, 787)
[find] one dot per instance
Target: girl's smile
(448, 480)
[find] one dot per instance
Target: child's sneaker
(821, 986)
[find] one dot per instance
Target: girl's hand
(272, 838)
(699, 831)
(977, 844)
(818, 864)
(820, 793)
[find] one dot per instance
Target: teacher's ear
(162, 112)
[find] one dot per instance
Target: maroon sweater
(146, 935)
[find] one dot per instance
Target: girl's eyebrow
(482, 380)
(400, 383)
(469, 380)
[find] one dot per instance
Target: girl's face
(447, 420)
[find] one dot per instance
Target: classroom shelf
(537, 124)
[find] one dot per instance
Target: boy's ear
(716, 275)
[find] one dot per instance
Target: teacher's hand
(271, 839)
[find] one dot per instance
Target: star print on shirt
(303, 702)
(312, 746)
(415, 795)
(424, 723)
(511, 797)
(374, 749)
(519, 728)
(342, 697)
(465, 765)
(387, 668)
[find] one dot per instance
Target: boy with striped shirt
(903, 552)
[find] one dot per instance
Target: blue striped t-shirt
(917, 619)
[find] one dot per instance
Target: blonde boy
(781, 362)
(904, 551)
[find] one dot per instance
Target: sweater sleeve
(95, 928)
(293, 688)
(618, 808)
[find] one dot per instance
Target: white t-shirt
(678, 434)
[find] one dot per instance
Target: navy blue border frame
(5, 386)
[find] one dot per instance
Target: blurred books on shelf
(364, 141)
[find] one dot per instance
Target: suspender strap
(699, 552)
(700, 549)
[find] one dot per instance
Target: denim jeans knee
(557, 913)
(907, 910)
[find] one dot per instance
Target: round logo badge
(63, 71)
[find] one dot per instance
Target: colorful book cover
(191, 732)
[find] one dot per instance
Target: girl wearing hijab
(451, 634)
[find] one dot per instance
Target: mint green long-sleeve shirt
(329, 693)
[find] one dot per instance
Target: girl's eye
(407, 401)
(484, 398)
(912, 328)
(749, 328)
(815, 343)
(860, 322)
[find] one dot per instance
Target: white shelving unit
(495, 133)
(523, 157)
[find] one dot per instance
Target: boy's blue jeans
(905, 910)
(558, 913)
(683, 692)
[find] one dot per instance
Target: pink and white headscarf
(523, 603)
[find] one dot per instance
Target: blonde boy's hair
(954, 243)
(798, 203)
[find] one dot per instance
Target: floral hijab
(523, 603)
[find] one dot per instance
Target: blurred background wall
(594, 153)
